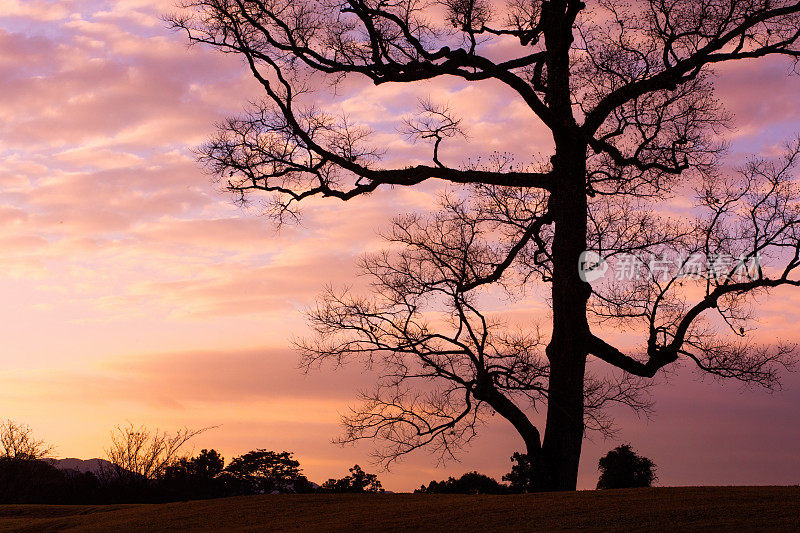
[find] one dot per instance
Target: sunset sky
(133, 289)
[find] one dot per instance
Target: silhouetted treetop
(18, 442)
(264, 472)
(623, 468)
(357, 481)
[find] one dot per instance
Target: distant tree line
(518, 481)
(149, 466)
(620, 468)
(145, 465)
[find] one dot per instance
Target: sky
(134, 290)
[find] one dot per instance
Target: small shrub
(623, 468)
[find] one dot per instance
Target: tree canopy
(623, 468)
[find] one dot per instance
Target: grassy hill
(657, 509)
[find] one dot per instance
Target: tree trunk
(557, 465)
(556, 468)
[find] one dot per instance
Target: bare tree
(442, 374)
(626, 89)
(17, 442)
(141, 453)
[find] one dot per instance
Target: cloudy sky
(133, 289)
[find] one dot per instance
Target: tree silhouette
(195, 477)
(469, 483)
(520, 479)
(28, 473)
(141, 454)
(626, 91)
(265, 472)
(357, 481)
(208, 465)
(17, 442)
(623, 468)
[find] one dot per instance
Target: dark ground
(656, 509)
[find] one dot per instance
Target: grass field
(657, 509)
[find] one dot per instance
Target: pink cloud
(37, 10)
(741, 87)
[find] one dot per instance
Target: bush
(622, 468)
(520, 478)
(470, 483)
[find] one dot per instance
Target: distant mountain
(95, 466)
